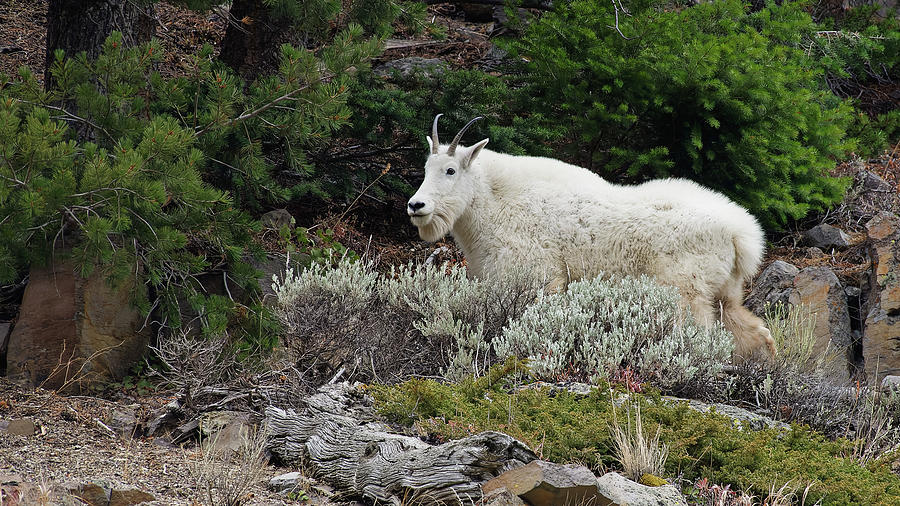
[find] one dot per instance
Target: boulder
(773, 285)
(541, 483)
(74, 332)
(624, 492)
(820, 289)
(826, 237)
(881, 335)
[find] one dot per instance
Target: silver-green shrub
(600, 325)
(429, 320)
(413, 320)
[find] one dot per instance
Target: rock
(773, 285)
(493, 60)
(541, 483)
(74, 332)
(814, 252)
(826, 237)
(500, 497)
(128, 497)
(5, 327)
(98, 495)
(288, 482)
(123, 422)
(408, 66)
(743, 419)
(890, 383)
(820, 289)
(92, 494)
(185, 431)
(623, 492)
(276, 219)
(18, 426)
(225, 430)
(881, 335)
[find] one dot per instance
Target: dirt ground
(73, 443)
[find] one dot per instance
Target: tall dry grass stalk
(638, 454)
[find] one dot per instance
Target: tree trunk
(339, 439)
(83, 25)
(251, 46)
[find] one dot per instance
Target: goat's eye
(451, 171)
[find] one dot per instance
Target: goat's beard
(437, 227)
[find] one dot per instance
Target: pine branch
(267, 106)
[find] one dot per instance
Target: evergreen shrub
(712, 93)
(150, 177)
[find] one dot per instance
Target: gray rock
(773, 285)
(123, 422)
(868, 180)
(276, 219)
(288, 482)
(624, 492)
(890, 383)
(743, 419)
(407, 66)
(225, 430)
(18, 426)
(541, 483)
(493, 60)
(500, 497)
(814, 252)
(826, 237)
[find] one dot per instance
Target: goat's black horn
(434, 135)
(452, 149)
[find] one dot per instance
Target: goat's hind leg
(750, 332)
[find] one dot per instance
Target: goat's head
(448, 187)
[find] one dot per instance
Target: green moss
(565, 427)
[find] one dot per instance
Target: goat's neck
(475, 229)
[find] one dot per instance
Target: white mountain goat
(567, 223)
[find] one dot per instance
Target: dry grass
(229, 485)
(638, 454)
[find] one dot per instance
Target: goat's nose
(415, 206)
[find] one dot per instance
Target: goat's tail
(749, 246)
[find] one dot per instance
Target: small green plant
(316, 245)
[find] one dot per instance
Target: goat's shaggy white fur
(567, 223)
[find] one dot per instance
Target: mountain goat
(567, 223)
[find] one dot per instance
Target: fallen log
(338, 437)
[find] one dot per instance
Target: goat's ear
(430, 144)
(472, 151)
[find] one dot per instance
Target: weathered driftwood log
(338, 437)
